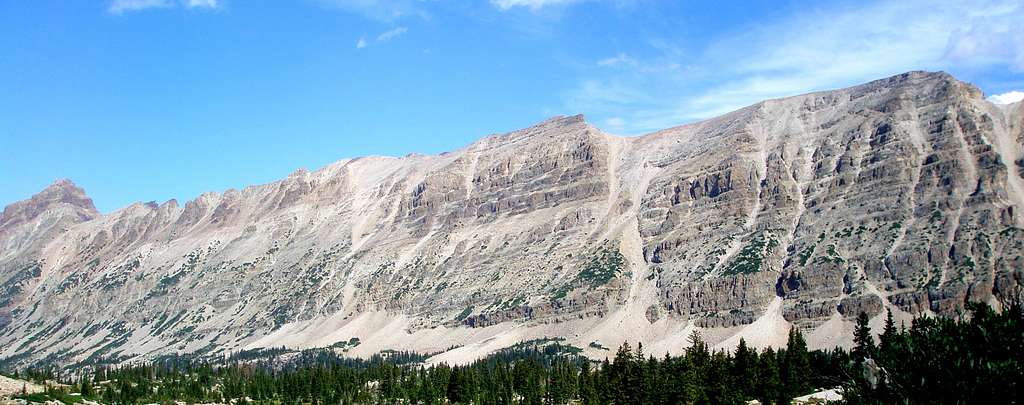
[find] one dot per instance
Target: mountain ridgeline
(902, 194)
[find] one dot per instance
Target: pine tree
(652, 386)
(863, 342)
(745, 370)
(697, 364)
(620, 373)
(890, 325)
(587, 390)
(601, 381)
(86, 388)
(887, 340)
(635, 376)
(796, 367)
(769, 383)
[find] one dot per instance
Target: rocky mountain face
(903, 194)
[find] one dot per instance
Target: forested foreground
(973, 359)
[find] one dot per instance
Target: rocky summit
(902, 194)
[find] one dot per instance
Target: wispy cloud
(605, 95)
(202, 3)
(615, 123)
(119, 7)
(812, 50)
(380, 10)
(391, 34)
(1009, 97)
(382, 37)
(992, 35)
(618, 60)
(530, 4)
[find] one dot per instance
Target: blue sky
(139, 100)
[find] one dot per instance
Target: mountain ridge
(557, 119)
(801, 211)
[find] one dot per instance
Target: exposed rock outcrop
(903, 193)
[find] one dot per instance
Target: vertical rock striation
(904, 193)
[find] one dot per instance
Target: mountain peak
(562, 120)
(62, 192)
(65, 186)
(67, 192)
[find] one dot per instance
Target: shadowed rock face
(903, 193)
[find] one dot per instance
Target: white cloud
(381, 10)
(391, 34)
(990, 39)
(620, 59)
(1009, 97)
(826, 49)
(530, 4)
(814, 49)
(615, 122)
(121, 6)
(201, 4)
(604, 95)
(382, 38)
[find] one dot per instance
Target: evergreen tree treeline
(544, 373)
(936, 360)
(976, 358)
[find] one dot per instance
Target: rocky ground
(10, 387)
